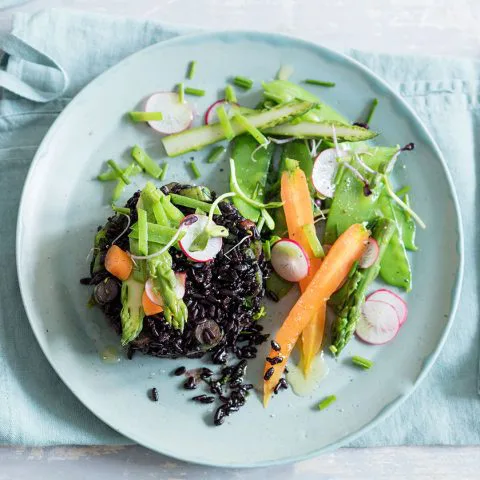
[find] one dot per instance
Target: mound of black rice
(223, 296)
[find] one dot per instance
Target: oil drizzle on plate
(110, 354)
(302, 386)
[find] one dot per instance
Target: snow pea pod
(395, 267)
(350, 205)
(407, 225)
(299, 151)
(251, 173)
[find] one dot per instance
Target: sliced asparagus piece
(349, 299)
(197, 138)
(350, 133)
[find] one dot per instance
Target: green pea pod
(395, 267)
(350, 205)
(251, 173)
(407, 224)
(299, 151)
(277, 287)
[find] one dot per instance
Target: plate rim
(353, 63)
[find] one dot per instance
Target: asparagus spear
(349, 299)
(164, 280)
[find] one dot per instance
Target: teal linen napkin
(37, 409)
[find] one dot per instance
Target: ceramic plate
(55, 233)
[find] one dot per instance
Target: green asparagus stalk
(164, 280)
(349, 299)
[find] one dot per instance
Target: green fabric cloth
(37, 409)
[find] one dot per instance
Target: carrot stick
(348, 248)
(118, 263)
(149, 307)
(298, 209)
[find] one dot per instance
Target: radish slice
(176, 116)
(387, 296)
(156, 298)
(180, 287)
(289, 260)
(324, 170)
(211, 113)
(193, 226)
(378, 323)
(371, 254)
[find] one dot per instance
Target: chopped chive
(225, 122)
(215, 154)
(243, 82)
(191, 69)
(194, 91)
(142, 231)
(195, 170)
(230, 94)
(403, 191)
(160, 215)
(320, 83)
(188, 202)
(173, 213)
(120, 187)
(326, 402)
(181, 92)
(145, 116)
(113, 165)
(156, 233)
(362, 362)
(113, 175)
(164, 171)
(123, 210)
(141, 157)
(372, 110)
(251, 129)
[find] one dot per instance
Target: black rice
(226, 292)
(268, 374)
(222, 297)
(275, 346)
(179, 371)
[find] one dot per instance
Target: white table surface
(445, 27)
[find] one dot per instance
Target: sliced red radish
(387, 296)
(177, 116)
(324, 170)
(180, 287)
(289, 260)
(211, 113)
(371, 254)
(155, 296)
(378, 323)
(193, 226)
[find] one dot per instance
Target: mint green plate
(62, 205)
